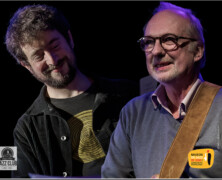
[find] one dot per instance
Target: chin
(163, 79)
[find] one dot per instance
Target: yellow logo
(201, 158)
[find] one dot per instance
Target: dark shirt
(87, 151)
(42, 135)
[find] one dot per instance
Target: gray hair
(196, 29)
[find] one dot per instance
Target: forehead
(167, 21)
(43, 37)
(41, 41)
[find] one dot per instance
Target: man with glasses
(174, 46)
(66, 131)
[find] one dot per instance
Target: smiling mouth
(54, 67)
(162, 64)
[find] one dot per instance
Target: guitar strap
(187, 135)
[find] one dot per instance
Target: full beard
(59, 83)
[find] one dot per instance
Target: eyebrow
(53, 40)
(48, 44)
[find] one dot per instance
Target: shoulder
(215, 111)
(136, 112)
(219, 95)
(144, 98)
(139, 103)
(23, 125)
(218, 99)
(39, 105)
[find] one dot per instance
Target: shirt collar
(159, 98)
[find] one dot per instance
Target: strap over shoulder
(187, 135)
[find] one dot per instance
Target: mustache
(156, 61)
(51, 67)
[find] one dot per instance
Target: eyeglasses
(169, 42)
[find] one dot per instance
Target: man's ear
(71, 42)
(26, 65)
(199, 53)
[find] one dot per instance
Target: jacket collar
(42, 106)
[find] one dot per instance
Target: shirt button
(63, 138)
(65, 174)
(50, 108)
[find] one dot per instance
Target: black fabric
(73, 106)
(39, 133)
(76, 104)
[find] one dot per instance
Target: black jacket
(42, 136)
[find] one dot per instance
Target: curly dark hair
(27, 22)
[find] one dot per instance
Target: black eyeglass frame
(161, 40)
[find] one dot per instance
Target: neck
(79, 84)
(176, 92)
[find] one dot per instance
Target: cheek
(149, 60)
(66, 49)
(39, 67)
(186, 57)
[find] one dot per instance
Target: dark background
(105, 36)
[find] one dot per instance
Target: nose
(158, 49)
(51, 58)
